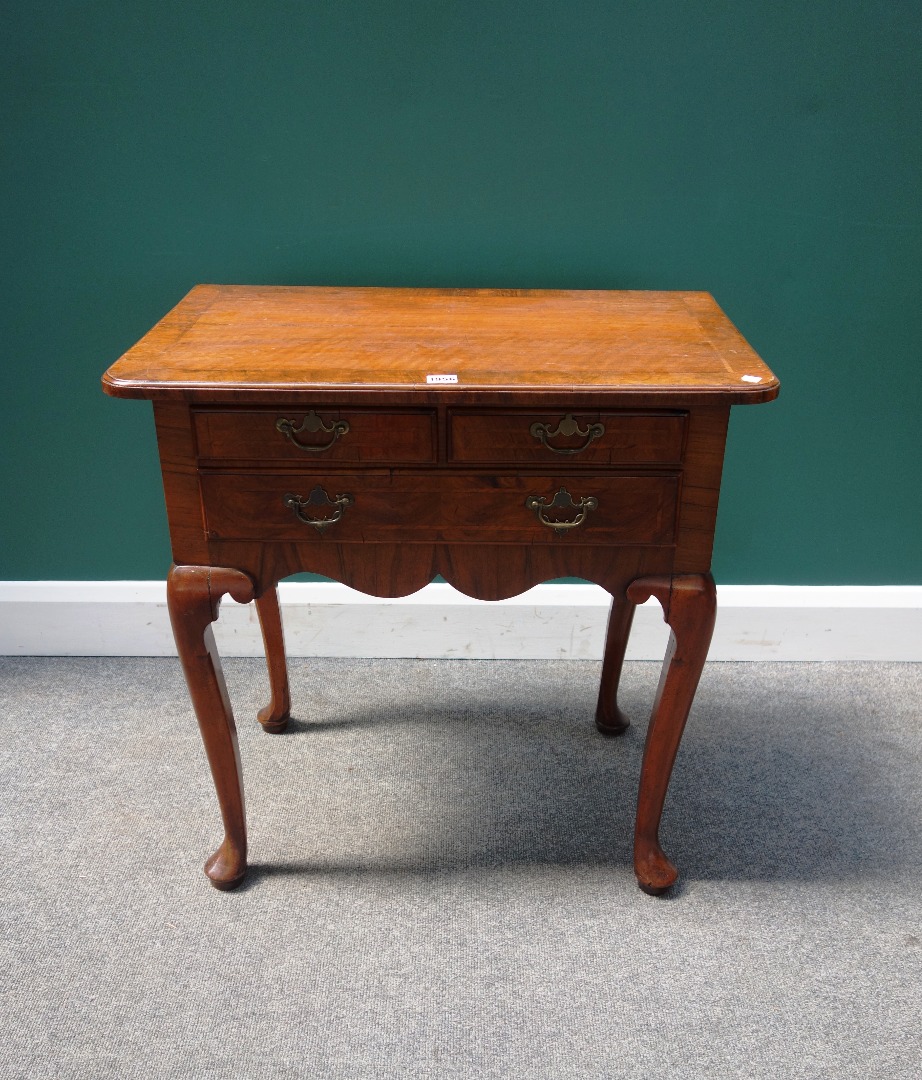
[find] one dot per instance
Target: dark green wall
(767, 152)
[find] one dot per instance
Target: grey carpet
(442, 883)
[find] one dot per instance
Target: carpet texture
(441, 882)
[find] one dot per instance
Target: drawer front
(313, 436)
(569, 439)
(432, 507)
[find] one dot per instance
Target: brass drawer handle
(567, 428)
(318, 497)
(312, 424)
(563, 500)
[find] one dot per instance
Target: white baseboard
(754, 622)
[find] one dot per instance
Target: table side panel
(702, 468)
(179, 467)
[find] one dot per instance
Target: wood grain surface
(222, 339)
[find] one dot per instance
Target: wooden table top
(223, 341)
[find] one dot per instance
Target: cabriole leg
(609, 718)
(193, 595)
(689, 607)
(274, 717)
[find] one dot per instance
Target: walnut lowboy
(584, 436)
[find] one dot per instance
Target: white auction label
(441, 378)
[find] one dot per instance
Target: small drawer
(433, 507)
(293, 433)
(569, 438)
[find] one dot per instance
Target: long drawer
(569, 439)
(431, 507)
(378, 436)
